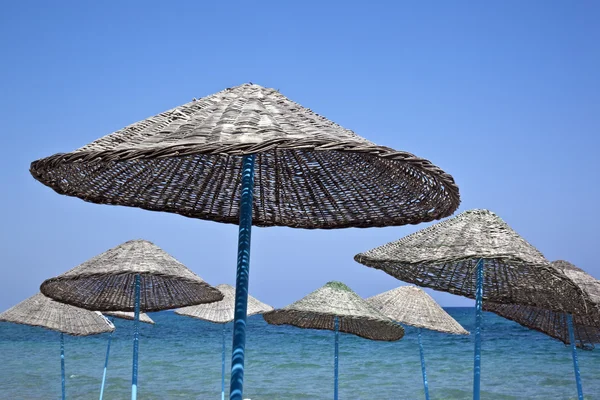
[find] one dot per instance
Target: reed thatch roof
(39, 310)
(319, 309)
(410, 305)
(554, 324)
(106, 282)
(222, 312)
(130, 316)
(444, 256)
(310, 172)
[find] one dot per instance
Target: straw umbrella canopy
(39, 310)
(202, 159)
(319, 309)
(106, 282)
(554, 324)
(42, 311)
(410, 305)
(130, 316)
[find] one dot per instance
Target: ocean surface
(180, 358)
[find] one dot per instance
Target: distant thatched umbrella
(200, 160)
(451, 256)
(134, 276)
(39, 310)
(336, 307)
(123, 315)
(412, 306)
(578, 330)
(222, 312)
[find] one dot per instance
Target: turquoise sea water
(180, 358)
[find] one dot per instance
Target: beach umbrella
(134, 276)
(123, 315)
(576, 330)
(337, 308)
(39, 310)
(452, 256)
(222, 312)
(249, 155)
(410, 305)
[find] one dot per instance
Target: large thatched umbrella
(410, 305)
(222, 312)
(578, 330)
(336, 307)
(39, 310)
(452, 255)
(134, 276)
(201, 160)
(123, 315)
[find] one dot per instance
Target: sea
(180, 358)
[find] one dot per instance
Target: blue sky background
(505, 96)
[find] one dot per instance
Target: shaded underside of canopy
(309, 171)
(319, 309)
(107, 281)
(130, 316)
(412, 306)
(444, 257)
(44, 312)
(222, 311)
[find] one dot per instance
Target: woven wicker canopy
(319, 309)
(554, 324)
(412, 306)
(310, 172)
(130, 316)
(106, 282)
(221, 312)
(444, 256)
(39, 310)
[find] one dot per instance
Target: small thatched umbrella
(123, 315)
(451, 256)
(222, 312)
(577, 330)
(201, 160)
(412, 306)
(39, 310)
(336, 307)
(134, 276)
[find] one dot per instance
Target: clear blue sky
(505, 96)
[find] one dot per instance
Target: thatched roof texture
(39, 310)
(130, 316)
(410, 305)
(106, 282)
(318, 311)
(222, 312)
(444, 256)
(310, 172)
(554, 324)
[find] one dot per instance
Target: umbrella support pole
(336, 358)
(105, 365)
(478, 318)
(136, 338)
(423, 370)
(62, 365)
(223, 365)
(575, 362)
(236, 387)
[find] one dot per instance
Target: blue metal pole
(478, 318)
(425, 383)
(223, 366)
(105, 363)
(335, 358)
(62, 365)
(136, 340)
(575, 362)
(236, 387)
